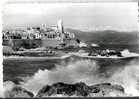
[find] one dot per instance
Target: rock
(17, 91)
(81, 89)
(107, 89)
(118, 87)
(57, 88)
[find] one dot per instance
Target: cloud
(122, 16)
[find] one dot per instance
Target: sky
(120, 16)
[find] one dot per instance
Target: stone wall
(28, 43)
(25, 43)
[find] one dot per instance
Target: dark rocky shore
(73, 90)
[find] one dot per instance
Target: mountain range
(106, 36)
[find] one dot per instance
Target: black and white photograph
(70, 49)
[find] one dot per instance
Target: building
(53, 36)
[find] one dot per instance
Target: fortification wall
(28, 43)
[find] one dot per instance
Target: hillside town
(43, 32)
(52, 36)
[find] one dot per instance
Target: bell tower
(60, 26)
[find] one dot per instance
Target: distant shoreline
(31, 57)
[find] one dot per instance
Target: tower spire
(60, 26)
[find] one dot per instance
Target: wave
(128, 78)
(87, 71)
(73, 72)
(127, 53)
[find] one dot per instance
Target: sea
(33, 73)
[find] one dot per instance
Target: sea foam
(82, 70)
(87, 71)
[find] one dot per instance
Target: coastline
(30, 57)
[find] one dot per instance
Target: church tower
(60, 26)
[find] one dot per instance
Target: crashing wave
(127, 53)
(86, 71)
(11, 90)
